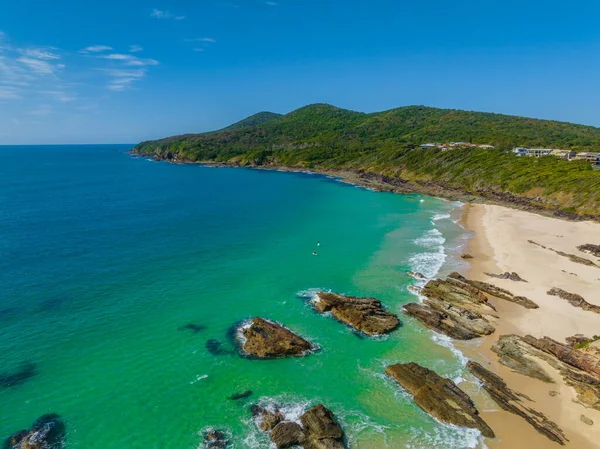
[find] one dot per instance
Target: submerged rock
(21, 375)
(214, 347)
(215, 439)
(236, 396)
(512, 276)
(47, 432)
(364, 314)
(511, 401)
(438, 396)
(574, 299)
(416, 275)
(195, 328)
(265, 340)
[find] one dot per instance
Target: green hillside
(323, 137)
(253, 120)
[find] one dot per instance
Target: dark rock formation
(214, 347)
(571, 257)
(574, 299)
(466, 256)
(416, 275)
(195, 328)
(439, 397)
(579, 369)
(496, 291)
(236, 396)
(265, 339)
(47, 432)
(512, 402)
(318, 429)
(266, 419)
(439, 321)
(21, 375)
(584, 419)
(512, 276)
(215, 439)
(364, 314)
(287, 434)
(591, 249)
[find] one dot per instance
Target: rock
(454, 291)
(266, 419)
(416, 275)
(214, 347)
(21, 375)
(364, 314)
(287, 434)
(512, 402)
(466, 256)
(439, 321)
(553, 393)
(589, 248)
(47, 432)
(507, 275)
(413, 289)
(195, 328)
(571, 257)
(512, 352)
(236, 396)
(215, 439)
(321, 429)
(584, 419)
(496, 291)
(439, 397)
(266, 340)
(577, 339)
(574, 299)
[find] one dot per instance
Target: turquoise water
(103, 257)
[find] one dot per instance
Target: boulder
(215, 439)
(584, 419)
(466, 256)
(512, 276)
(363, 314)
(416, 275)
(591, 249)
(266, 419)
(287, 434)
(47, 432)
(512, 402)
(438, 396)
(266, 340)
(439, 321)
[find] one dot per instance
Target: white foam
(438, 217)
(199, 377)
(446, 436)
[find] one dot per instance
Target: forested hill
(323, 137)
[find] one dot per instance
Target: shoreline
(498, 244)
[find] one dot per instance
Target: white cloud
(208, 40)
(135, 48)
(10, 93)
(124, 79)
(41, 53)
(129, 59)
(42, 110)
(271, 3)
(38, 66)
(96, 49)
(163, 14)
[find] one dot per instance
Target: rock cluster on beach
(574, 299)
(364, 314)
(47, 432)
(438, 396)
(572, 257)
(594, 250)
(265, 339)
(317, 429)
(512, 402)
(579, 369)
(510, 275)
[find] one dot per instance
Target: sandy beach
(500, 243)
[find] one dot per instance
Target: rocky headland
(47, 432)
(363, 314)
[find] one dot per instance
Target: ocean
(105, 258)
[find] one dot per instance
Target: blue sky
(125, 71)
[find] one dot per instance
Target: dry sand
(501, 244)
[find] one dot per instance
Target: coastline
(499, 244)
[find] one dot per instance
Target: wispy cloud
(41, 53)
(10, 93)
(129, 59)
(198, 49)
(209, 40)
(272, 3)
(124, 79)
(96, 49)
(135, 48)
(40, 66)
(163, 14)
(42, 110)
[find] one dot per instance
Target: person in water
(318, 243)
(315, 253)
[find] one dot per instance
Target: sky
(126, 71)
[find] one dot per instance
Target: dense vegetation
(253, 120)
(328, 138)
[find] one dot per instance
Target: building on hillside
(563, 154)
(459, 144)
(594, 158)
(486, 147)
(539, 152)
(520, 151)
(427, 146)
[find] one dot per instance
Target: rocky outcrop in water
(579, 369)
(364, 314)
(317, 429)
(441, 321)
(416, 275)
(511, 276)
(266, 340)
(438, 396)
(215, 439)
(594, 250)
(47, 432)
(238, 396)
(574, 299)
(21, 375)
(512, 402)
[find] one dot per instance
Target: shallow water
(105, 257)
